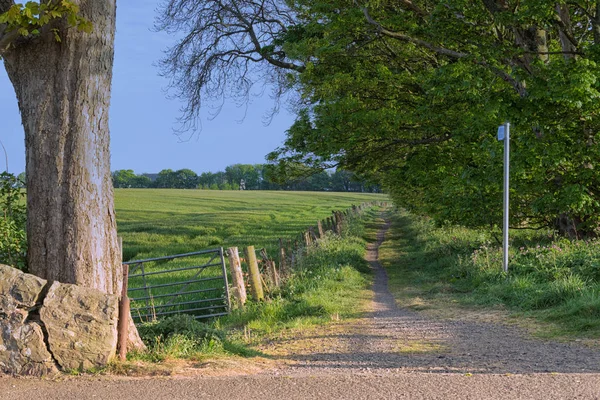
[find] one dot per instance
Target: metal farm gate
(192, 283)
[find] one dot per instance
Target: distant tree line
(251, 177)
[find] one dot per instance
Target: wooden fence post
(271, 268)
(294, 249)
(312, 234)
(282, 260)
(307, 239)
(334, 223)
(274, 273)
(339, 219)
(124, 311)
(254, 274)
(320, 229)
(237, 277)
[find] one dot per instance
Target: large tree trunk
(64, 94)
(63, 89)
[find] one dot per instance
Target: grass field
(160, 222)
(328, 281)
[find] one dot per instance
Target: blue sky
(142, 118)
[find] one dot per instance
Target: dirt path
(388, 339)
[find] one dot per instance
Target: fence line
(276, 271)
(290, 249)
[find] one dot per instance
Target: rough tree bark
(63, 89)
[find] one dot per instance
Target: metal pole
(506, 195)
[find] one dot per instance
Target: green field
(163, 222)
(160, 222)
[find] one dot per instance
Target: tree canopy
(410, 93)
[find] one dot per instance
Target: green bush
(13, 239)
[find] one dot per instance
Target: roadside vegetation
(552, 280)
(13, 241)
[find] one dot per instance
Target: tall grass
(549, 278)
(328, 283)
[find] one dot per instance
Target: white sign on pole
(501, 132)
(504, 135)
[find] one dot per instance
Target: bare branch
(228, 46)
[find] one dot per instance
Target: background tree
(140, 181)
(251, 174)
(165, 179)
(126, 178)
(185, 179)
(205, 180)
(123, 178)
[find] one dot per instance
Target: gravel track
(389, 339)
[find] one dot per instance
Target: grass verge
(553, 284)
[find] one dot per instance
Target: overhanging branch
(400, 36)
(457, 55)
(6, 38)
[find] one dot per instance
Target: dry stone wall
(49, 327)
